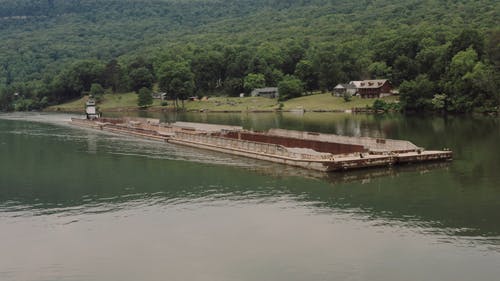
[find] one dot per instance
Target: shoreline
(114, 110)
(312, 103)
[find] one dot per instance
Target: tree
(417, 94)
(404, 68)
(493, 48)
(484, 86)
(468, 38)
(96, 90)
(177, 80)
(290, 87)
(273, 77)
(237, 60)
(457, 84)
(233, 86)
(254, 81)
(432, 61)
(112, 75)
(87, 72)
(305, 72)
(73, 81)
(5, 100)
(293, 53)
(329, 68)
(208, 70)
(145, 98)
(347, 97)
(141, 78)
(439, 101)
(379, 69)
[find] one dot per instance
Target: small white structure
(91, 110)
(341, 89)
(160, 96)
(268, 92)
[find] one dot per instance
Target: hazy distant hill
(40, 35)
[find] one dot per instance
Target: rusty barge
(310, 150)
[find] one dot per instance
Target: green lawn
(317, 102)
(328, 102)
(75, 105)
(122, 101)
(109, 102)
(233, 104)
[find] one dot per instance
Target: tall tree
(113, 75)
(467, 38)
(141, 78)
(306, 73)
(456, 85)
(417, 94)
(254, 81)
(290, 87)
(177, 80)
(208, 70)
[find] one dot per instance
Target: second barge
(317, 151)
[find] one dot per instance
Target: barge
(310, 150)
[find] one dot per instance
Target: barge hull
(320, 154)
(319, 166)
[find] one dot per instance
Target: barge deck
(310, 150)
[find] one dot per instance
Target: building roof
(345, 86)
(369, 84)
(266, 90)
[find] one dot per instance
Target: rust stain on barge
(310, 150)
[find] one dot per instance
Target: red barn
(373, 88)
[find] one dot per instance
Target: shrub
(347, 97)
(145, 98)
(381, 105)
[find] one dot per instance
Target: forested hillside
(443, 54)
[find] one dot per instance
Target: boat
(309, 150)
(91, 111)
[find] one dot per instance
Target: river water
(79, 204)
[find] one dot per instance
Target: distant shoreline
(114, 110)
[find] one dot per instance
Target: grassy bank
(318, 102)
(327, 102)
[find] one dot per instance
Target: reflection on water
(84, 205)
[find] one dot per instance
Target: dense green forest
(442, 54)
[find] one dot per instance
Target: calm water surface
(79, 204)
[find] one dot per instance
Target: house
(269, 92)
(162, 96)
(373, 88)
(341, 89)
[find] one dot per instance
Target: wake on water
(107, 142)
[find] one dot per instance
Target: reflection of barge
(324, 152)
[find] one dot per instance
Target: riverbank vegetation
(442, 55)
